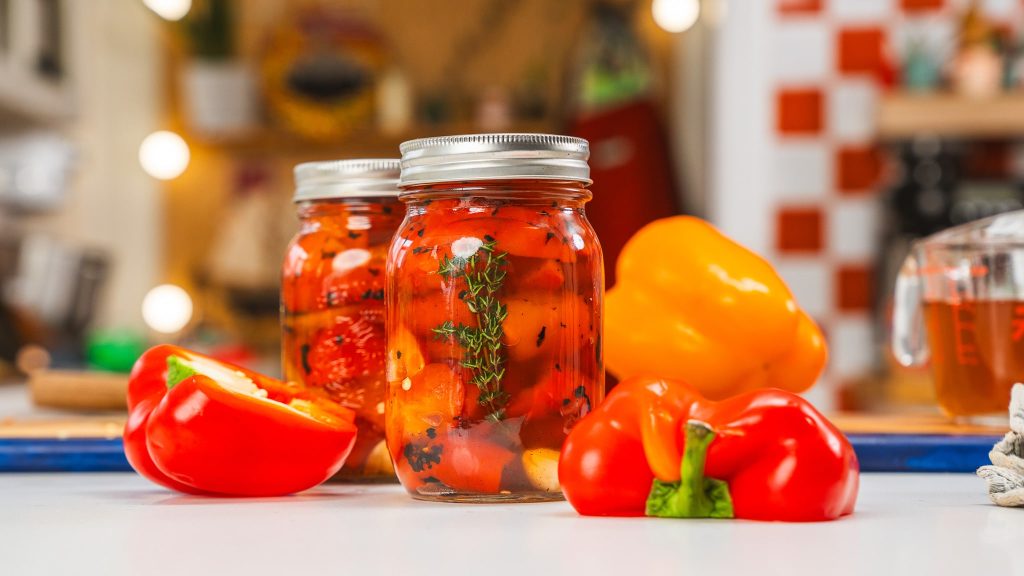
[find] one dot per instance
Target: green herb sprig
(484, 273)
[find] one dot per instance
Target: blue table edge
(876, 453)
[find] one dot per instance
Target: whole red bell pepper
(201, 426)
(657, 447)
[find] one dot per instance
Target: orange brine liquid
(332, 316)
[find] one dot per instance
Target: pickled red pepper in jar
(494, 296)
(332, 295)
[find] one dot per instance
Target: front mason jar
(494, 316)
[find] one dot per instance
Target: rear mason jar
(332, 295)
(495, 284)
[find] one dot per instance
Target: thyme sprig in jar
(494, 301)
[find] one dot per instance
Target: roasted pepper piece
(693, 305)
(198, 425)
(658, 447)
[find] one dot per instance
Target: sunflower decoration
(319, 72)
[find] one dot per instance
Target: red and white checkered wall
(829, 61)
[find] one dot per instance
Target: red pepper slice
(198, 425)
(658, 447)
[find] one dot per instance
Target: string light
(675, 15)
(167, 308)
(169, 9)
(164, 155)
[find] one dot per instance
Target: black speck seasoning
(581, 392)
(422, 457)
(354, 235)
(305, 358)
(540, 336)
(372, 294)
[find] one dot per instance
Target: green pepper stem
(691, 471)
(694, 496)
(177, 370)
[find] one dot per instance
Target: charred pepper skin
(781, 459)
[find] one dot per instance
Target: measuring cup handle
(909, 343)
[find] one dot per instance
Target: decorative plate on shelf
(319, 71)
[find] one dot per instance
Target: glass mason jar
(332, 295)
(494, 295)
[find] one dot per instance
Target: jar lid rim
(349, 178)
(494, 156)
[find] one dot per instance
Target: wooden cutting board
(61, 405)
(78, 390)
(928, 423)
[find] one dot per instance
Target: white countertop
(114, 524)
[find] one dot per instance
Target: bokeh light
(167, 308)
(169, 9)
(164, 155)
(675, 15)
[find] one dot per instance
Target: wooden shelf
(905, 115)
(360, 142)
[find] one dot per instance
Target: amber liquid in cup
(977, 353)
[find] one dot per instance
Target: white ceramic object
(220, 97)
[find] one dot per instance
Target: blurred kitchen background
(146, 146)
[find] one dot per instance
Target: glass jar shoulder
(336, 258)
(540, 230)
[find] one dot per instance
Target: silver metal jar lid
(364, 178)
(494, 157)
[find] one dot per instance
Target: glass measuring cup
(959, 304)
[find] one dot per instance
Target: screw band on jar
(494, 157)
(336, 179)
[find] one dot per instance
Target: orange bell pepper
(690, 304)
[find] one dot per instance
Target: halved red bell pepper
(657, 447)
(147, 385)
(198, 425)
